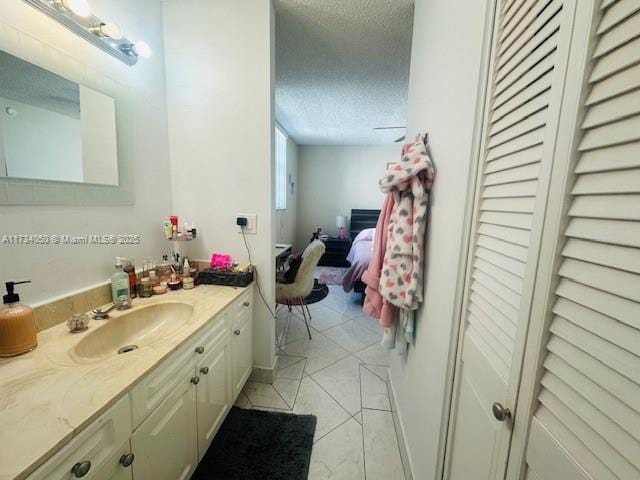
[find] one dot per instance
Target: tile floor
(340, 376)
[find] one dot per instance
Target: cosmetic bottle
(17, 325)
(146, 289)
(130, 270)
(119, 281)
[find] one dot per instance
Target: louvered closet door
(587, 423)
(530, 48)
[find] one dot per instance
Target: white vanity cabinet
(164, 425)
(242, 341)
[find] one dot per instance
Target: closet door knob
(204, 370)
(80, 469)
(127, 460)
(200, 350)
(195, 380)
(236, 332)
(500, 412)
(246, 304)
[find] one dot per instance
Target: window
(281, 169)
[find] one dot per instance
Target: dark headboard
(361, 219)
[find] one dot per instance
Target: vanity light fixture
(77, 16)
(138, 49)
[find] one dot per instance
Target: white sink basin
(132, 330)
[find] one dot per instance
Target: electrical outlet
(252, 223)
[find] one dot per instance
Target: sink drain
(127, 349)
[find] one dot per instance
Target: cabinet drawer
(244, 303)
(216, 332)
(148, 394)
(98, 444)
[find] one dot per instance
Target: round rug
(319, 292)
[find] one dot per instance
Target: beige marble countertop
(47, 397)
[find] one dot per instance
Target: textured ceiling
(342, 68)
(25, 82)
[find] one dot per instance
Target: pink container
(220, 260)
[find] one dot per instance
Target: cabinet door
(242, 342)
(165, 444)
(213, 392)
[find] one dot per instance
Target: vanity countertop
(48, 396)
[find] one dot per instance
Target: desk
(281, 251)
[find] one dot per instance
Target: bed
(362, 231)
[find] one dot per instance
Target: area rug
(319, 292)
(258, 445)
(331, 275)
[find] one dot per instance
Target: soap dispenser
(17, 325)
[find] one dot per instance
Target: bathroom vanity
(138, 396)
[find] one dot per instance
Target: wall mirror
(52, 128)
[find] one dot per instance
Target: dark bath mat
(258, 445)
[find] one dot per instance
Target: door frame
(586, 17)
(463, 275)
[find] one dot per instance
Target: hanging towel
(374, 304)
(409, 181)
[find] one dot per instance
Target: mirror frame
(15, 191)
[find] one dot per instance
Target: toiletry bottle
(130, 269)
(164, 269)
(17, 325)
(186, 268)
(168, 229)
(119, 281)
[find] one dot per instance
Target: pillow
(365, 235)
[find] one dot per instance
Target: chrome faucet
(121, 303)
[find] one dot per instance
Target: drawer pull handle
(127, 460)
(80, 469)
(195, 380)
(204, 370)
(246, 304)
(200, 350)
(236, 332)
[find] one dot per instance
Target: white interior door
(586, 407)
(530, 49)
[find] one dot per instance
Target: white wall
(58, 270)
(40, 143)
(335, 179)
(220, 96)
(286, 219)
(443, 95)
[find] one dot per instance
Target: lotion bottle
(17, 325)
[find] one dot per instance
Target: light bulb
(141, 49)
(79, 7)
(111, 30)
